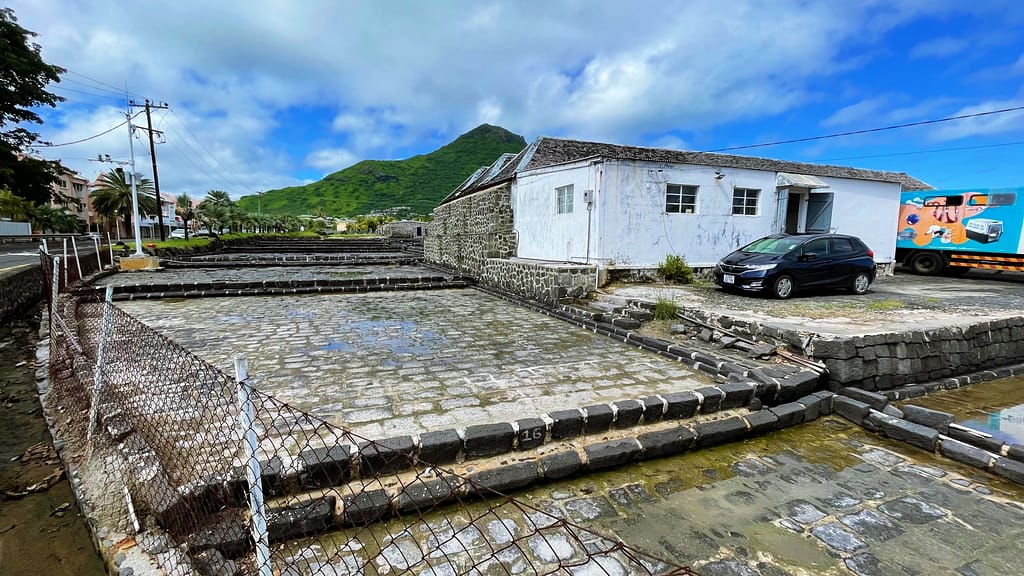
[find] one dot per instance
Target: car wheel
(861, 281)
(783, 287)
(927, 263)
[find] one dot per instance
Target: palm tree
(45, 217)
(214, 216)
(14, 207)
(112, 197)
(183, 208)
(218, 197)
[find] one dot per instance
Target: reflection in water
(1006, 424)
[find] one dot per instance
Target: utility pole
(152, 153)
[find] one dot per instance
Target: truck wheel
(927, 263)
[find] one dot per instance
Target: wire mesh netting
(237, 482)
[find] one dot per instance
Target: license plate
(728, 279)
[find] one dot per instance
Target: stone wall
(19, 290)
(541, 281)
(886, 361)
(467, 232)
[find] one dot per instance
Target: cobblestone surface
(824, 498)
(383, 364)
(175, 275)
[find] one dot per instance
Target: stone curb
(284, 261)
(274, 288)
(931, 430)
(952, 383)
(425, 493)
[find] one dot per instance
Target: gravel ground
(893, 303)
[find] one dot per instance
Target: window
(744, 201)
(564, 194)
(843, 246)
(819, 247)
(680, 199)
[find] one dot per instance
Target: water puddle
(1006, 424)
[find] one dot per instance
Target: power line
(120, 91)
(868, 130)
(48, 145)
(933, 151)
(209, 154)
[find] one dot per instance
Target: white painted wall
(630, 228)
(543, 233)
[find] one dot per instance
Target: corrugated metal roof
(783, 179)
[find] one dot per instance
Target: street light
(135, 194)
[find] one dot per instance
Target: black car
(782, 264)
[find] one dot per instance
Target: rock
(560, 465)
(531, 433)
(565, 424)
(962, 452)
(665, 442)
(853, 410)
(439, 447)
(720, 431)
(628, 413)
(612, 453)
(504, 479)
(599, 418)
(484, 440)
(926, 417)
(677, 329)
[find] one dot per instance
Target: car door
(844, 253)
(815, 264)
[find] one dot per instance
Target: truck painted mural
(986, 221)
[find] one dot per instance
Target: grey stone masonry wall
(468, 231)
(541, 281)
(893, 359)
(887, 361)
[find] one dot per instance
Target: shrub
(674, 269)
(665, 309)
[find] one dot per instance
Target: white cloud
(988, 125)
(264, 88)
(331, 159)
(942, 47)
(856, 113)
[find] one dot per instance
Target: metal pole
(78, 260)
(253, 471)
(99, 253)
(135, 193)
(54, 290)
(46, 248)
(64, 241)
(110, 247)
(97, 387)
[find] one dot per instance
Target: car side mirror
(809, 256)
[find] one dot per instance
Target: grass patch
(675, 269)
(883, 305)
(665, 309)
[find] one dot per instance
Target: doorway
(803, 210)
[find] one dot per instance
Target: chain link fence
(232, 481)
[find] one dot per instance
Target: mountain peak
(419, 182)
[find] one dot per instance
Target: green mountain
(420, 182)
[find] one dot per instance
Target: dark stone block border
(933, 431)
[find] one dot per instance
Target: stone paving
(385, 364)
(824, 498)
(189, 275)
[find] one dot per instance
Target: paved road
(17, 254)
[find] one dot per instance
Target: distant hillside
(419, 182)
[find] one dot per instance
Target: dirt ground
(41, 530)
(894, 303)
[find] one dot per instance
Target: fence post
(110, 247)
(253, 471)
(97, 387)
(99, 254)
(55, 285)
(78, 259)
(64, 241)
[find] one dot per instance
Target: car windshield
(779, 245)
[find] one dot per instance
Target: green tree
(214, 216)
(14, 207)
(112, 197)
(183, 208)
(46, 218)
(24, 76)
(218, 197)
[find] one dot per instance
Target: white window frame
(679, 207)
(564, 199)
(744, 196)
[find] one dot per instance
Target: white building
(628, 207)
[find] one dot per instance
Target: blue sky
(266, 93)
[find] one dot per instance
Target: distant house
(404, 229)
(71, 191)
(626, 207)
